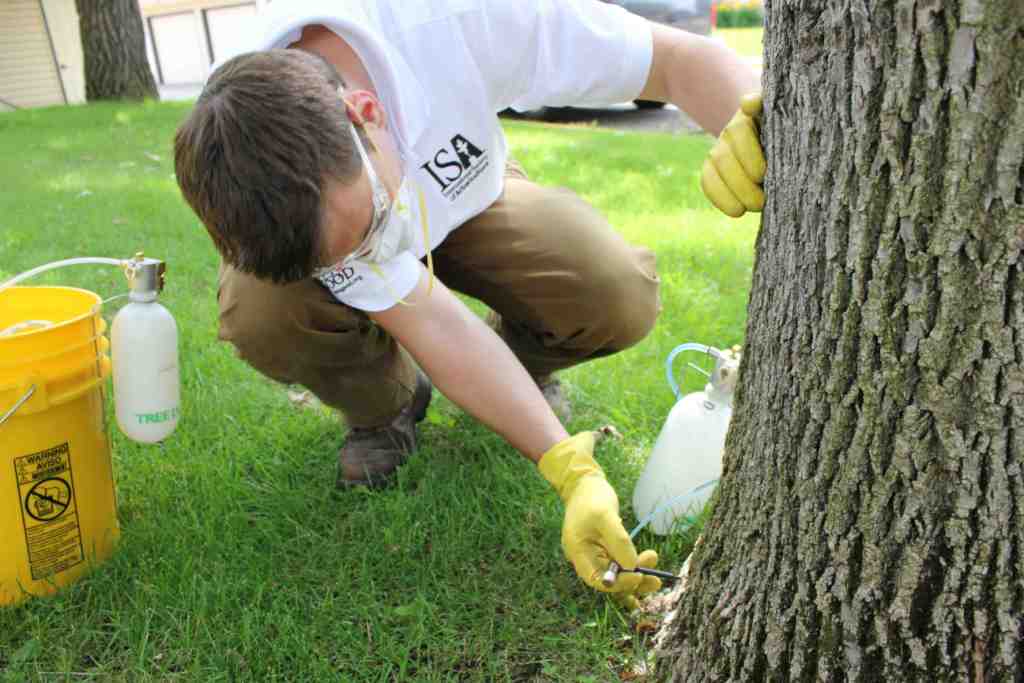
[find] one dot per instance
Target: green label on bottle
(158, 417)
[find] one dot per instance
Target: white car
(690, 15)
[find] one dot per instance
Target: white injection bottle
(687, 456)
(144, 353)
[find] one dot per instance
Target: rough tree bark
(114, 45)
(869, 525)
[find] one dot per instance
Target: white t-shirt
(443, 69)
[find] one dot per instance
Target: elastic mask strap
(426, 240)
(357, 120)
(375, 267)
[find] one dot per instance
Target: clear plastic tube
(690, 346)
(667, 504)
(61, 264)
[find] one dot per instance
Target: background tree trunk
(114, 45)
(869, 525)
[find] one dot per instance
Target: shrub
(739, 14)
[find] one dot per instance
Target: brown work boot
(371, 455)
(549, 385)
(554, 394)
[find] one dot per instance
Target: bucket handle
(103, 373)
(21, 401)
(102, 364)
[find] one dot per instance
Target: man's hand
(734, 171)
(592, 533)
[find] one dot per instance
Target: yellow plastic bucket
(58, 514)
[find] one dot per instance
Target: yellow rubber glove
(592, 533)
(733, 173)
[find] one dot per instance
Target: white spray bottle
(686, 461)
(144, 353)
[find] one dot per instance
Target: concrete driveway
(624, 117)
(179, 91)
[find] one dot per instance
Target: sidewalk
(180, 91)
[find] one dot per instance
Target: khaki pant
(566, 286)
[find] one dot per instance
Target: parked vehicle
(690, 15)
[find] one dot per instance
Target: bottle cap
(145, 277)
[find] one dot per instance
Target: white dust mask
(398, 232)
(393, 226)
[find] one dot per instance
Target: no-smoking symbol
(48, 499)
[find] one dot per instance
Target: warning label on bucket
(48, 511)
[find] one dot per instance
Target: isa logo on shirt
(456, 166)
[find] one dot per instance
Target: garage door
(177, 39)
(28, 73)
(230, 30)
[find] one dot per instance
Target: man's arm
(473, 367)
(700, 76)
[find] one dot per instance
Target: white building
(41, 59)
(185, 37)
(41, 62)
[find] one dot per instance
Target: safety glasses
(382, 208)
(382, 204)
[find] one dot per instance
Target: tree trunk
(869, 524)
(114, 45)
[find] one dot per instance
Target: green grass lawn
(239, 561)
(746, 41)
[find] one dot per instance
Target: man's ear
(363, 107)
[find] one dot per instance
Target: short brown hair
(254, 153)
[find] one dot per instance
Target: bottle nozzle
(145, 277)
